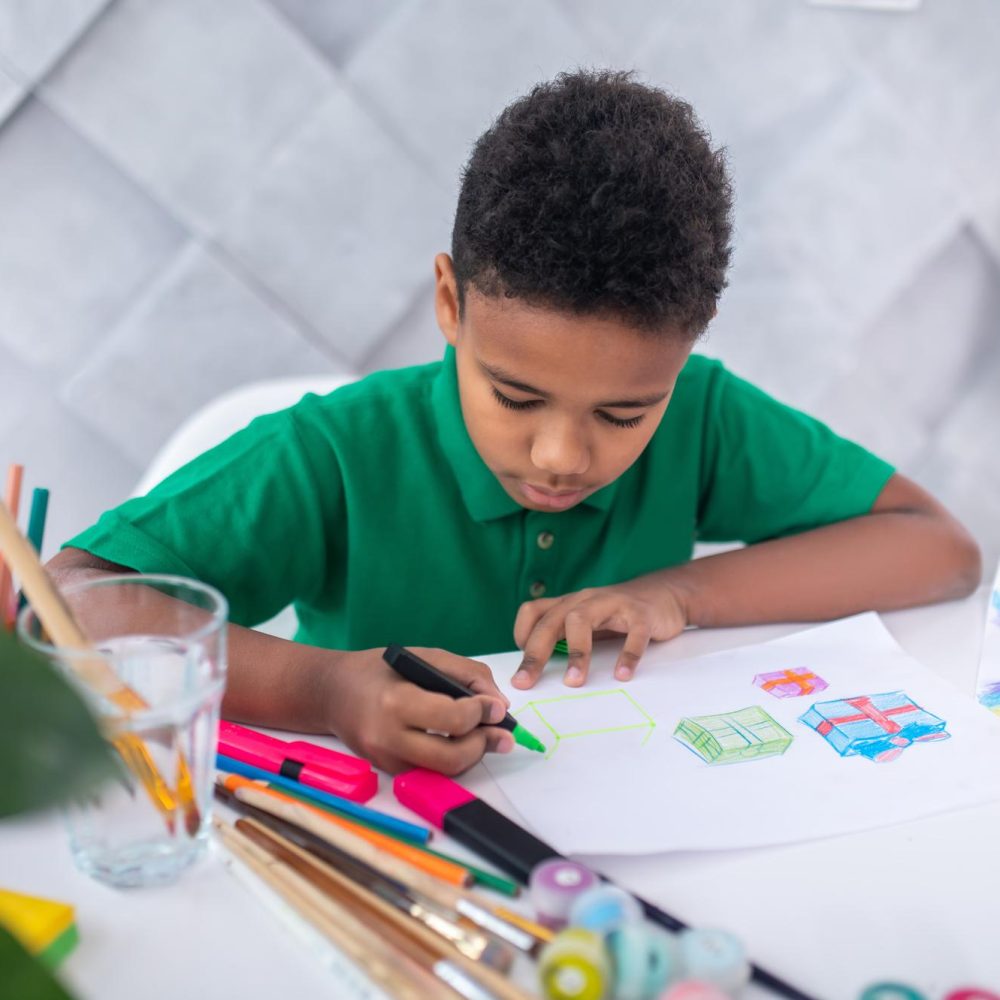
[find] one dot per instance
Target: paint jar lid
(554, 885)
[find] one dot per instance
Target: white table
(918, 902)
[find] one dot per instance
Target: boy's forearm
(279, 683)
(891, 558)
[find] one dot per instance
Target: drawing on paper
(589, 713)
(879, 726)
(989, 696)
(988, 681)
(791, 683)
(730, 737)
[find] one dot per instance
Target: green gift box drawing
(731, 737)
(588, 713)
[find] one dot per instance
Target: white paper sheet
(636, 790)
(988, 685)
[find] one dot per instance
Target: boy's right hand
(397, 725)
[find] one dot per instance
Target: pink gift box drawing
(790, 683)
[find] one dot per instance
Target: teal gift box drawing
(879, 726)
(731, 737)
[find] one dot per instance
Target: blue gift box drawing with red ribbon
(879, 726)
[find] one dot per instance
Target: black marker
(421, 673)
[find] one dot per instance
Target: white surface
(918, 902)
(574, 796)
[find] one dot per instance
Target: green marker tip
(522, 736)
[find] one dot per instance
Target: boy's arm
(907, 550)
(282, 684)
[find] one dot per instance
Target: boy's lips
(553, 499)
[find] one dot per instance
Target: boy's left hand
(600, 612)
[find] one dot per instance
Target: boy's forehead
(545, 347)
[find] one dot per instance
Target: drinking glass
(153, 675)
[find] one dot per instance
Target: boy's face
(557, 405)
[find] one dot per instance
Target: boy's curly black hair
(597, 194)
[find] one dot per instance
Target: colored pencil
(466, 904)
(95, 671)
(363, 902)
(12, 498)
(406, 851)
(383, 821)
(36, 526)
(470, 873)
(385, 964)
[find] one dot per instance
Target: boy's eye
(618, 422)
(513, 404)
(527, 404)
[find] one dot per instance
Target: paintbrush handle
(468, 904)
(50, 608)
(383, 964)
(435, 890)
(329, 879)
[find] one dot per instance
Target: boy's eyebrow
(639, 402)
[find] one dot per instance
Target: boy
(550, 476)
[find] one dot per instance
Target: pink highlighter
(327, 770)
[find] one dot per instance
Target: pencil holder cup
(154, 675)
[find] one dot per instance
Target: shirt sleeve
(252, 517)
(769, 470)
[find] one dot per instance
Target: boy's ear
(446, 297)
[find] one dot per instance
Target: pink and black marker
(317, 767)
(450, 807)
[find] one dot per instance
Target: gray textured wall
(200, 193)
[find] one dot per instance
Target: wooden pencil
(437, 867)
(463, 902)
(383, 963)
(358, 898)
(468, 873)
(95, 671)
(12, 498)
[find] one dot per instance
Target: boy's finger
(579, 645)
(527, 618)
(423, 710)
(636, 643)
(474, 675)
(538, 646)
(451, 756)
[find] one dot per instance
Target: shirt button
(537, 589)
(545, 539)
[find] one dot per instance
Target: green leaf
(50, 745)
(22, 976)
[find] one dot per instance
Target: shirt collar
(484, 497)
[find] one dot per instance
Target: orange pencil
(12, 498)
(446, 871)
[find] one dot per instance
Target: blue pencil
(36, 519)
(397, 827)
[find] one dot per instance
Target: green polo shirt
(372, 512)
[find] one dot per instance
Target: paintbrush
(475, 946)
(523, 936)
(375, 910)
(95, 671)
(405, 974)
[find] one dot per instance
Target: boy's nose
(561, 451)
